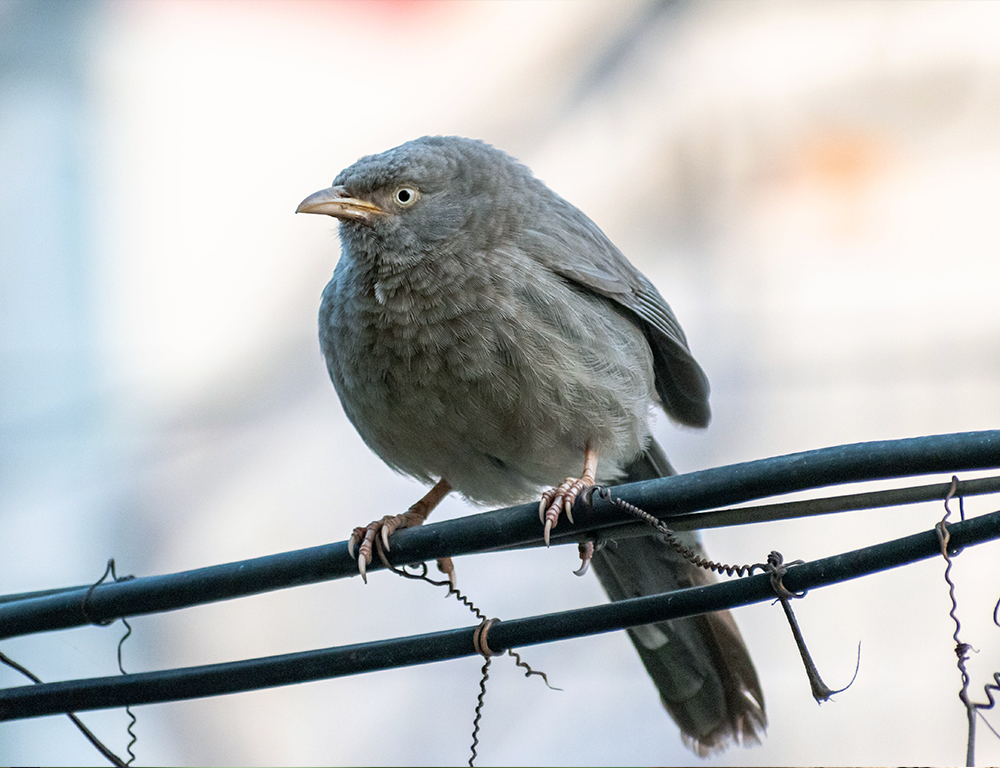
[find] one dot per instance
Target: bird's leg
(414, 516)
(560, 499)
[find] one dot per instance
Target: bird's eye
(405, 196)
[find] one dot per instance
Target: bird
(486, 337)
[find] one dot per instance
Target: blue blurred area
(47, 377)
(52, 462)
(55, 488)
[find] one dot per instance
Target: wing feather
(575, 248)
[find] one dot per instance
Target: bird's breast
(416, 352)
(492, 377)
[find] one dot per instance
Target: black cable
(254, 674)
(510, 527)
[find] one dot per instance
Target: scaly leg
(414, 516)
(560, 499)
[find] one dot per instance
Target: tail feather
(700, 665)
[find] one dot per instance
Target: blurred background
(813, 186)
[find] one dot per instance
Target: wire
(511, 527)
(253, 674)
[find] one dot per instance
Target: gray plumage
(480, 329)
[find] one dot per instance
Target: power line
(666, 498)
(253, 674)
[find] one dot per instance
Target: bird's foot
(560, 499)
(366, 536)
(363, 537)
(557, 500)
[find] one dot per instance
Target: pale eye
(405, 196)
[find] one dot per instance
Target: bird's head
(430, 194)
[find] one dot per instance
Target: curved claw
(361, 568)
(568, 508)
(547, 531)
(586, 554)
(350, 545)
(385, 537)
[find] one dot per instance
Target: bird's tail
(700, 665)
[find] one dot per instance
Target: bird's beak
(336, 202)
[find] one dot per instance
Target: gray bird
(484, 335)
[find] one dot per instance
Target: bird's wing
(575, 248)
